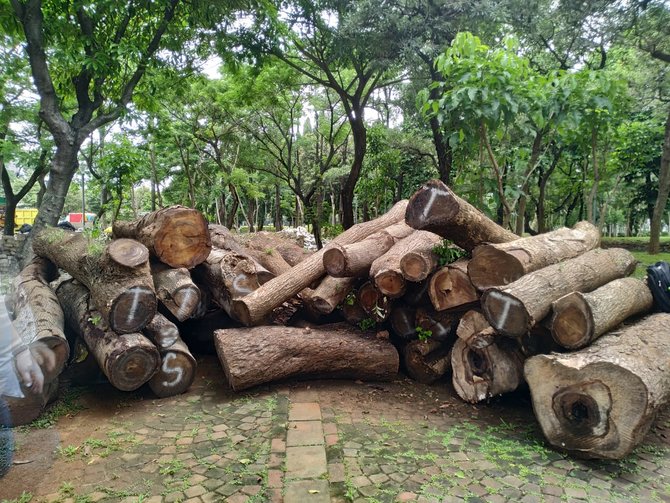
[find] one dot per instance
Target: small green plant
(95, 319)
(367, 324)
(65, 406)
(423, 334)
(171, 467)
(66, 489)
(350, 299)
(447, 252)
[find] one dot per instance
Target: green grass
(646, 260)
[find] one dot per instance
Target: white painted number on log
(433, 195)
(186, 303)
(508, 302)
(136, 302)
(167, 370)
(169, 336)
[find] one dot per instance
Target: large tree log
(599, 402)
(177, 236)
(176, 372)
(355, 259)
(475, 330)
(176, 290)
(330, 293)
(512, 310)
(450, 287)
(373, 302)
(128, 360)
(269, 263)
(434, 207)
(441, 324)
(258, 355)
(38, 317)
(403, 321)
(162, 332)
(255, 307)
(420, 261)
(580, 318)
(427, 361)
(227, 275)
(117, 275)
(502, 263)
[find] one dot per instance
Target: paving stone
(304, 433)
(307, 491)
(305, 462)
(309, 411)
(336, 472)
(406, 496)
(194, 491)
(275, 478)
(278, 445)
(575, 493)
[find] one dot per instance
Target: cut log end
(128, 252)
(492, 267)
(415, 267)
(185, 242)
(334, 261)
(390, 283)
(175, 375)
(187, 301)
(240, 311)
(133, 367)
(132, 310)
(572, 323)
(506, 313)
(433, 199)
(322, 305)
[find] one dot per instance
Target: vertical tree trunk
(663, 191)
(359, 133)
(278, 217)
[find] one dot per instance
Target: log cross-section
(450, 287)
(176, 290)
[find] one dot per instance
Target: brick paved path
(316, 442)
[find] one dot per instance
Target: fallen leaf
(313, 491)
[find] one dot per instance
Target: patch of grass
(24, 498)
(645, 260)
(67, 405)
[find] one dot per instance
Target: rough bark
(434, 207)
(254, 356)
(427, 361)
(161, 331)
(580, 318)
(600, 402)
(502, 263)
(118, 275)
(254, 308)
(450, 287)
(175, 290)
(290, 250)
(663, 191)
(177, 236)
(228, 276)
(483, 371)
(355, 259)
(330, 293)
(176, 372)
(475, 330)
(128, 360)
(38, 317)
(513, 309)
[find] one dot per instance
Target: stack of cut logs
(491, 318)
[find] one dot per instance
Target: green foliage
(447, 252)
(66, 405)
(367, 324)
(423, 334)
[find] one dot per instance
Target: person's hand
(29, 371)
(44, 356)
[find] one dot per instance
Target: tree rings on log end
(334, 261)
(186, 300)
(433, 201)
(414, 267)
(183, 241)
(390, 283)
(132, 310)
(132, 367)
(128, 252)
(491, 267)
(506, 313)
(572, 321)
(175, 374)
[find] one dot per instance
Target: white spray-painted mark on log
(169, 336)
(182, 311)
(433, 195)
(240, 289)
(508, 302)
(165, 368)
(136, 303)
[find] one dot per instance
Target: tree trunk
(128, 360)
(663, 191)
(175, 290)
(501, 264)
(177, 236)
(434, 207)
(161, 331)
(117, 275)
(450, 287)
(277, 212)
(427, 361)
(254, 356)
(228, 276)
(600, 402)
(355, 259)
(580, 318)
(475, 330)
(176, 372)
(253, 308)
(420, 261)
(514, 309)
(38, 317)
(359, 134)
(330, 293)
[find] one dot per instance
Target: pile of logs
(511, 311)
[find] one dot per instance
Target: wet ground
(317, 441)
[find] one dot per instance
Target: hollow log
(128, 360)
(513, 309)
(117, 274)
(330, 293)
(355, 259)
(450, 287)
(177, 236)
(254, 356)
(373, 302)
(176, 372)
(474, 330)
(255, 307)
(502, 263)
(403, 321)
(38, 317)
(580, 318)
(227, 275)
(162, 332)
(176, 290)
(482, 371)
(599, 402)
(434, 207)
(427, 361)
(441, 324)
